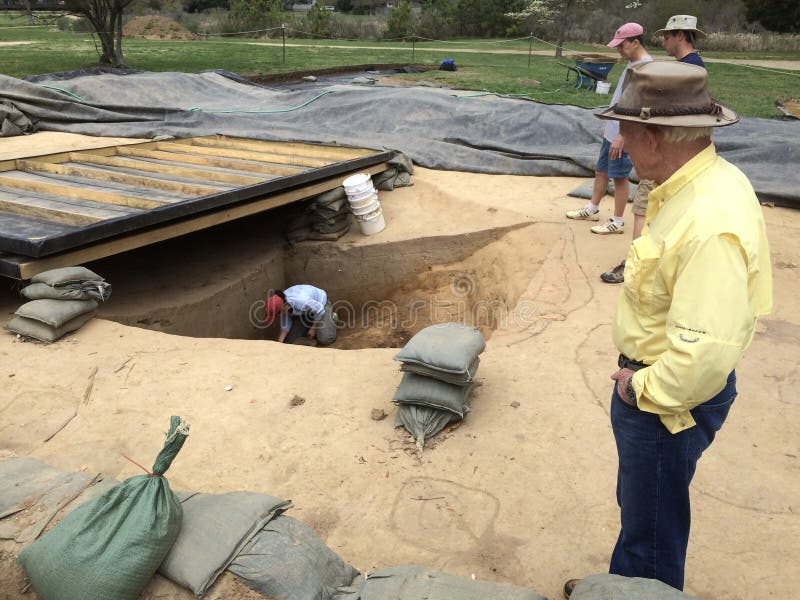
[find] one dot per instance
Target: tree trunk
(563, 20)
(106, 19)
(119, 60)
(29, 10)
(107, 45)
(106, 38)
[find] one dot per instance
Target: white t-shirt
(304, 298)
(611, 129)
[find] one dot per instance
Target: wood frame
(55, 203)
(24, 268)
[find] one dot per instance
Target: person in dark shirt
(679, 38)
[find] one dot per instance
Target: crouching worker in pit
(304, 310)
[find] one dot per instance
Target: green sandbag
(110, 547)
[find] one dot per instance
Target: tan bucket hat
(681, 23)
(668, 93)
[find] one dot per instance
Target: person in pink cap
(614, 161)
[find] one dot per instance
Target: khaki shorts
(640, 200)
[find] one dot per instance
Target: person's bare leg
(600, 187)
(622, 191)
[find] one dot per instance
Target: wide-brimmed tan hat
(682, 23)
(668, 93)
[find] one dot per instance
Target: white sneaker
(610, 226)
(584, 214)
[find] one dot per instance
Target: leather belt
(628, 363)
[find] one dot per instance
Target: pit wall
(212, 286)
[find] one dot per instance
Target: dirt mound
(156, 27)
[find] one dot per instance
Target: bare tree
(106, 19)
(551, 11)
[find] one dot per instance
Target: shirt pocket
(641, 273)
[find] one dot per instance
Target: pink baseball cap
(272, 308)
(626, 31)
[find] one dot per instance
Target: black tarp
(437, 128)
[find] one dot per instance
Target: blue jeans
(655, 470)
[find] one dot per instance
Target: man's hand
(312, 331)
(282, 336)
(622, 377)
(615, 151)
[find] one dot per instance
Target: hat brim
(698, 34)
(615, 42)
(728, 117)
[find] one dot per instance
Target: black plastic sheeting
(439, 129)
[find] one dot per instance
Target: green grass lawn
(752, 92)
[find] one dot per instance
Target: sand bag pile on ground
(286, 560)
(243, 532)
(215, 529)
(326, 217)
(410, 582)
(61, 301)
(32, 493)
(110, 547)
(397, 175)
(439, 365)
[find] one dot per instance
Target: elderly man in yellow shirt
(695, 282)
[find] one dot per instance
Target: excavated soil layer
(212, 283)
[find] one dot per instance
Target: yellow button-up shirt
(695, 282)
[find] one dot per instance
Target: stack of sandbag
(246, 533)
(326, 217)
(61, 301)
(398, 174)
(439, 366)
(109, 547)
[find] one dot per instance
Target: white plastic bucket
(361, 196)
(366, 209)
(358, 184)
(603, 87)
(371, 223)
(366, 201)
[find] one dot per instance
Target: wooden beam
(141, 165)
(48, 210)
(283, 159)
(236, 164)
(332, 153)
(187, 189)
(59, 157)
(137, 240)
(77, 193)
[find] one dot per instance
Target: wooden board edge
(26, 269)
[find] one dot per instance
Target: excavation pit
(384, 288)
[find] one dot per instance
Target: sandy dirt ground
(521, 492)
